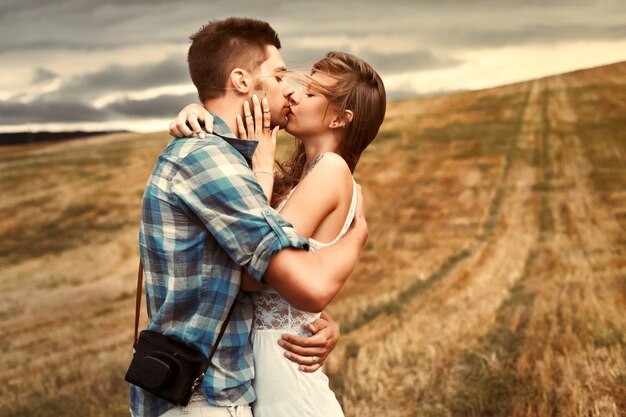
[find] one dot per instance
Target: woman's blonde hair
(356, 87)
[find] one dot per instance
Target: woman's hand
(257, 128)
(187, 123)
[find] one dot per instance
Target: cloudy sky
(111, 64)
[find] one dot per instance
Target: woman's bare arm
(327, 187)
(317, 195)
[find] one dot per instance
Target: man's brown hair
(222, 45)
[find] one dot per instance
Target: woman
(334, 118)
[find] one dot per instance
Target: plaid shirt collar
(245, 147)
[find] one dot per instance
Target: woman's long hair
(356, 87)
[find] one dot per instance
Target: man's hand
(311, 352)
(187, 123)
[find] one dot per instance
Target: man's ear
(240, 80)
(342, 120)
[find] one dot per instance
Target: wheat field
(493, 282)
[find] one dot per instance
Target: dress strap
(351, 212)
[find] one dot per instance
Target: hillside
(493, 282)
(28, 138)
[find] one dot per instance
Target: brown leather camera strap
(138, 310)
(138, 301)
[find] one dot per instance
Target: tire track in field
(573, 348)
(534, 359)
(483, 378)
(469, 304)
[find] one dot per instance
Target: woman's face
(311, 112)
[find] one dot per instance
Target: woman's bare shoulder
(326, 186)
(329, 165)
(328, 179)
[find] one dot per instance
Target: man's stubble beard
(276, 117)
(281, 122)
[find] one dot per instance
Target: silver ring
(248, 116)
(313, 360)
(266, 111)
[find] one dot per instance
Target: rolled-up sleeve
(283, 236)
(223, 194)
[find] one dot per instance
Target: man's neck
(227, 109)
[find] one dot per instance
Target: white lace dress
(281, 389)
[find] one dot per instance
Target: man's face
(271, 84)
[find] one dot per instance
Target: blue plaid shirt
(204, 217)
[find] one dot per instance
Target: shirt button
(266, 211)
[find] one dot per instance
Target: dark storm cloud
(432, 32)
(531, 34)
(68, 111)
(38, 112)
(94, 24)
(116, 78)
(89, 24)
(407, 61)
(167, 72)
(385, 63)
(42, 74)
(86, 25)
(75, 45)
(158, 107)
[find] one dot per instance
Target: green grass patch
(546, 131)
(511, 152)
(489, 137)
(604, 141)
(486, 378)
(417, 286)
(607, 335)
(546, 187)
(546, 218)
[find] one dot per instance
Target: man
(205, 217)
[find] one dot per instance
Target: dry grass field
(493, 282)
